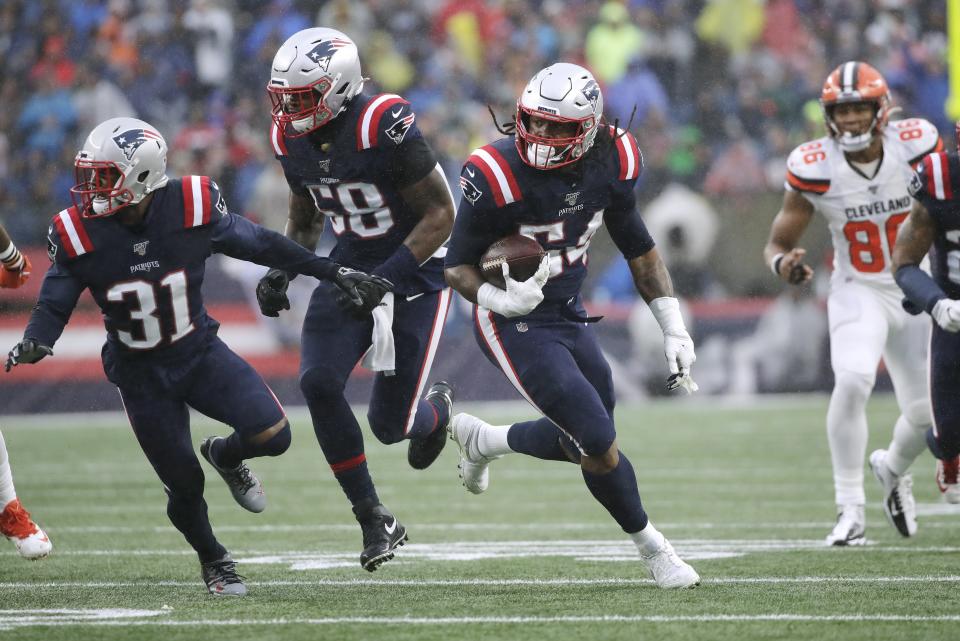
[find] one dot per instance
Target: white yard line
(747, 580)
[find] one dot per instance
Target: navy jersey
(936, 184)
(561, 208)
(354, 168)
(147, 279)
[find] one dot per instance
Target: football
(521, 253)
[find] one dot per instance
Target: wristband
(775, 264)
(666, 310)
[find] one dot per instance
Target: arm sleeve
(238, 237)
(58, 297)
(920, 288)
(626, 227)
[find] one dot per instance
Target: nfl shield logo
(522, 327)
(324, 165)
(571, 198)
(141, 248)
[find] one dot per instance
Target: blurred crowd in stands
(718, 91)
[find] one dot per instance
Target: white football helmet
(314, 75)
(122, 160)
(563, 93)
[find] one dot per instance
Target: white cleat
(850, 527)
(668, 570)
(898, 503)
(947, 479)
(464, 431)
(15, 524)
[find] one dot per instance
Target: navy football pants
(945, 389)
(222, 386)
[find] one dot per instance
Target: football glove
(360, 292)
(272, 292)
(11, 279)
(946, 313)
(29, 350)
(677, 344)
(520, 297)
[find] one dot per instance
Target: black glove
(360, 292)
(29, 350)
(272, 292)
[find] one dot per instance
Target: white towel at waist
(381, 357)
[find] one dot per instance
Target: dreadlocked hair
(507, 128)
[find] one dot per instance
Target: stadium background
(723, 91)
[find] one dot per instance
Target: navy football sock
(617, 491)
(429, 417)
(355, 481)
(189, 515)
(231, 451)
(540, 438)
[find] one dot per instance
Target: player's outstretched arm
(922, 292)
(653, 281)
(15, 267)
(781, 252)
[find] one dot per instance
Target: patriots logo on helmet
(324, 50)
(592, 92)
(470, 191)
(130, 140)
(398, 130)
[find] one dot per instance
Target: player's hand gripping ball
(521, 253)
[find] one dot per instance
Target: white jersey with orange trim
(561, 208)
(863, 213)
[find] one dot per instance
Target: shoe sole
(372, 564)
(420, 455)
(846, 543)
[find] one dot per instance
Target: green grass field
(744, 494)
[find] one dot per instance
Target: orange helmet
(856, 82)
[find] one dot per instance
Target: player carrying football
(358, 160)
(557, 178)
(139, 242)
(857, 177)
(933, 226)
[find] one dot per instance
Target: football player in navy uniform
(359, 161)
(934, 226)
(15, 522)
(139, 242)
(559, 177)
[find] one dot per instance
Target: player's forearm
(305, 223)
(650, 276)
(238, 237)
(431, 199)
(58, 298)
(465, 279)
(919, 287)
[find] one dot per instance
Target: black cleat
(382, 534)
(422, 452)
(221, 577)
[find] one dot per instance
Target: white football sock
(909, 441)
(7, 491)
(492, 441)
(847, 435)
(648, 540)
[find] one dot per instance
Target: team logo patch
(51, 246)
(916, 183)
(398, 130)
(141, 248)
(571, 198)
(470, 191)
(592, 93)
(130, 140)
(522, 327)
(873, 188)
(323, 51)
(324, 165)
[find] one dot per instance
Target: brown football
(521, 253)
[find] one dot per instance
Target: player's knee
(186, 486)
(319, 383)
(918, 414)
(853, 387)
(387, 427)
(273, 441)
(601, 463)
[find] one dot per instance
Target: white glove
(947, 314)
(521, 297)
(677, 344)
